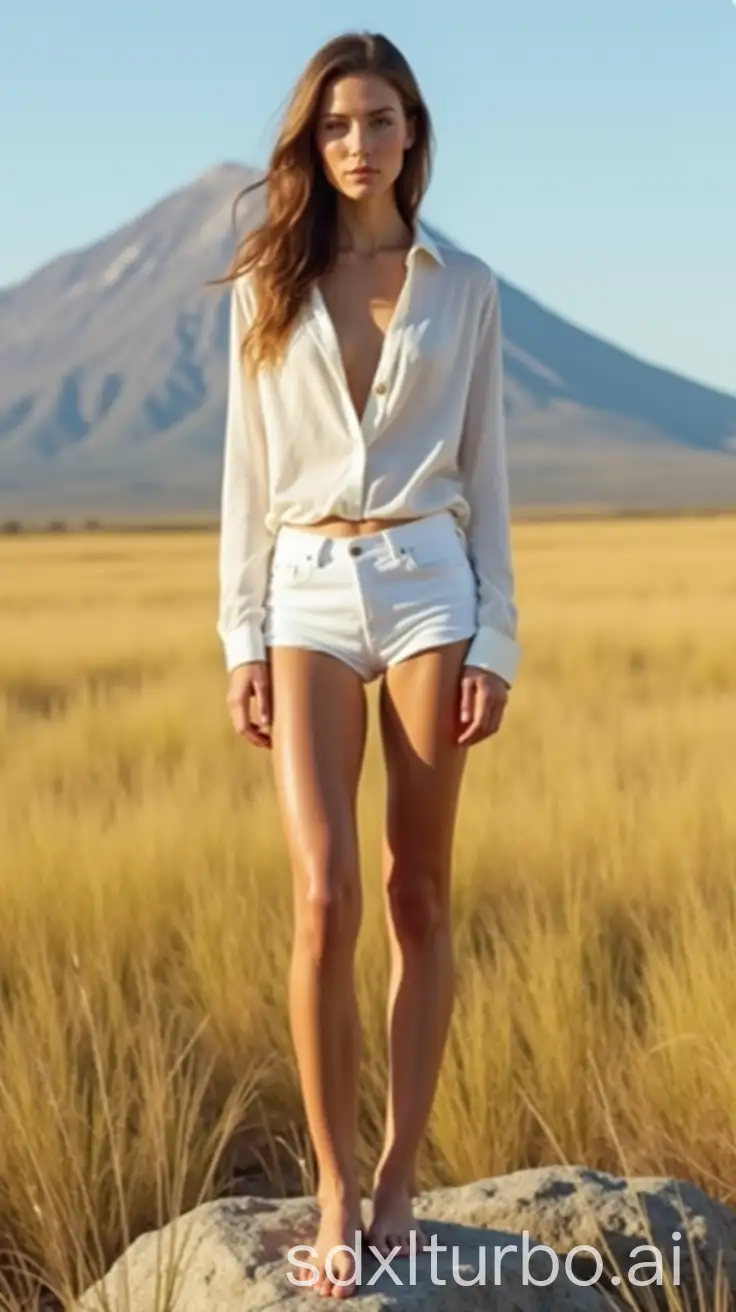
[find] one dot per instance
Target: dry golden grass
(144, 940)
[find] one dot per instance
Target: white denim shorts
(375, 599)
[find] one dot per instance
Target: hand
(483, 698)
(246, 681)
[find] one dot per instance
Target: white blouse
(432, 437)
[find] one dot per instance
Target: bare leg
(318, 736)
(419, 722)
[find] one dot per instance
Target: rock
(566, 1206)
(232, 1254)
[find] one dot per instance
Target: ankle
(339, 1192)
(390, 1178)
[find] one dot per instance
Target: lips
(362, 173)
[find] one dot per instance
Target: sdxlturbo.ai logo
(479, 1273)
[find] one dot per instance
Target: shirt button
(381, 389)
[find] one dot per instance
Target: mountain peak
(227, 172)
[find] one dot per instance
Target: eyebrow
(335, 113)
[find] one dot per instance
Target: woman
(365, 532)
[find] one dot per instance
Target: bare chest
(361, 304)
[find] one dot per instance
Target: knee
(418, 905)
(329, 909)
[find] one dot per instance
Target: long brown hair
(297, 240)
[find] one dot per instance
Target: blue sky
(586, 150)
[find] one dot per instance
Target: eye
(384, 118)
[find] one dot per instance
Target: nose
(358, 140)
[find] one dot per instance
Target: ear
(411, 132)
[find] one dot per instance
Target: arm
(245, 542)
(483, 465)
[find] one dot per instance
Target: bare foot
(393, 1221)
(339, 1221)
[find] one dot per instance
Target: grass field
(145, 929)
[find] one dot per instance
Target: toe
(343, 1291)
(379, 1242)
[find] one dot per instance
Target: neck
(365, 227)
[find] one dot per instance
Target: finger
(467, 699)
(496, 715)
(263, 704)
(469, 736)
(480, 726)
(471, 733)
(259, 727)
(236, 707)
(257, 738)
(256, 735)
(491, 719)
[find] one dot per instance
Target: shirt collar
(423, 241)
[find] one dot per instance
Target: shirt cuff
(494, 651)
(244, 644)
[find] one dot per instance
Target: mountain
(112, 384)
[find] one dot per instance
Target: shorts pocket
(445, 552)
(292, 570)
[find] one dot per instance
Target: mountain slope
(112, 383)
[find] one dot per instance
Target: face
(362, 125)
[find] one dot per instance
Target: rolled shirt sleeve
(483, 463)
(245, 543)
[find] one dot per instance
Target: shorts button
(355, 550)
